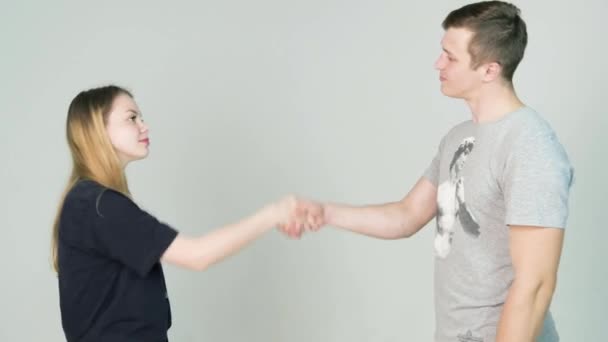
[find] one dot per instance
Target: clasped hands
(298, 215)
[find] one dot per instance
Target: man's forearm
(385, 221)
(524, 312)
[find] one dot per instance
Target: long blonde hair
(93, 156)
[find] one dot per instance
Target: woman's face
(127, 131)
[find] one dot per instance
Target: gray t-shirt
(512, 171)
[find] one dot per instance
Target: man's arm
(535, 253)
(391, 220)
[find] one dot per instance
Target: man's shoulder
(459, 129)
(527, 122)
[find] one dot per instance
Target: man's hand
(302, 215)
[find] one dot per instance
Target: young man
(498, 188)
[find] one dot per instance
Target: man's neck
(492, 103)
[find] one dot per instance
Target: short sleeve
(128, 234)
(536, 182)
(432, 171)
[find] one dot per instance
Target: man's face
(457, 78)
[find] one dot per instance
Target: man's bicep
(535, 252)
(421, 202)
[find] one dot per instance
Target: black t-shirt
(111, 284)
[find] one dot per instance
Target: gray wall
(250, 100)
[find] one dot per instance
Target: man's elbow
(540, 287)
(411, 219)
(400, 231)
(547, 287)
(406, 232)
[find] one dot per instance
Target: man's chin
(449, 93)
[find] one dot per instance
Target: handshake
(293, 216)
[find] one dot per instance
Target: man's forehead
(456, 39)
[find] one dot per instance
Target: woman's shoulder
(84, 190)
(81, 197)
(87, 197)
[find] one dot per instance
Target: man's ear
(492, 71)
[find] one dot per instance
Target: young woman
(107, 251)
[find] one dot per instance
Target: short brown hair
(499, 33)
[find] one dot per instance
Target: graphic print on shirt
(451, 202)
(469, 337)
